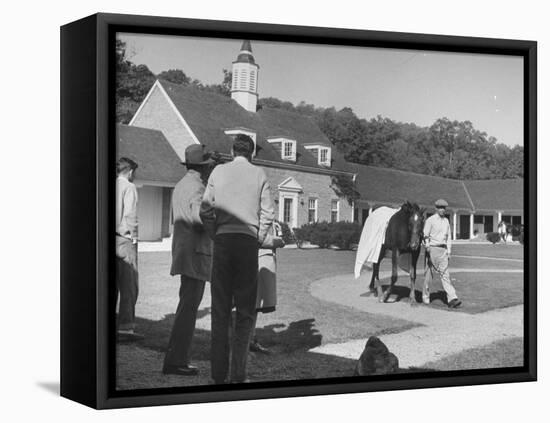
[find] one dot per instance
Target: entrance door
(287, 211)
(464, 227)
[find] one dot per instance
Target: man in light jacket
(191, 258)
(437, 240)
(237, 211)
(126, 248)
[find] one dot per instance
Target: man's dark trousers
(127, 282)
(191, 292)
(234, 282)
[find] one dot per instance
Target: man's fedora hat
(441, 203)
(196, 155)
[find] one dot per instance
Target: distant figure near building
(437, 239)
(126, 248)
(237, 211)
(191, 258)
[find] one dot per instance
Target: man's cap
(195, 154)
(441, 203)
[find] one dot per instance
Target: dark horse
(403, 235)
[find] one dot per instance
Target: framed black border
(98, 33)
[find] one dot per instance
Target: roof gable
(157, 161)
(290, 184)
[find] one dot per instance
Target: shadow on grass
(297, 336)
(290, 358)
(400, 292)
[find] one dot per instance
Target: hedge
(324, 234)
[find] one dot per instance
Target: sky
(404, 85)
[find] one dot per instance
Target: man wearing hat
(191, 258)
(437, 240)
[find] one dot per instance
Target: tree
(176, 76)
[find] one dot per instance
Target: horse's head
(415, 218)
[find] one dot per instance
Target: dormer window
(324, 156)
(286, 146)
(289, 150)
(321, 153)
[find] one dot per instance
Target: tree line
(448, 148)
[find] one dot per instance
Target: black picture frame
(87, 250)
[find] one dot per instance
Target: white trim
(316, 200)
(290, 185)
(294, 197)
(172, 105)
(337, 209)
(131, 123)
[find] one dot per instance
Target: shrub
(345, 234)
(288, 235)
(494, 237)
(324, 234)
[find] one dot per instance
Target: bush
(288, 235)
(494, 237)
(324, 234)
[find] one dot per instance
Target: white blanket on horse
(372, 238)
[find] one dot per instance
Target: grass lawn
(478, 291)
(301, 321)
(508, 353)
(501, 250)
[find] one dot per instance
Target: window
(312, 210)
(478, 219)
(321, 153)
(289, 150)
(324, 156)
(334, 210)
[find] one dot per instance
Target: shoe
(187, 370)
(255, 346)
(426, 300)
(456, 303)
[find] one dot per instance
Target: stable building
(299, 160)
(475, 206)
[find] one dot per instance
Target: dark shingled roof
(381, 185)
(156, 159)
(496, 194)
(209, 115)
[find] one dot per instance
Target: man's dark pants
(127, 282)
(191, 292)
(234, 282)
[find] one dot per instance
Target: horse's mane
(410, 208)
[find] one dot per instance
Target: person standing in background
(126, 248)
(266, 298)
(191, 258)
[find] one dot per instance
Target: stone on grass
(376, 359)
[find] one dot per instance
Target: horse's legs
(379, 292)
(394, 259)
(373, 278)
(412, 274)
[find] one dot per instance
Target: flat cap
(441, 203)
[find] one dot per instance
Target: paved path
(442, 332)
